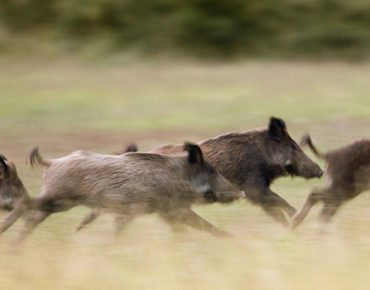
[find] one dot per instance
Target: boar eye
(294, 146)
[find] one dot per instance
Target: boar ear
(195, 154)
(277, 129)
(4, 168)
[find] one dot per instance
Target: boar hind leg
(90, 217)
(193, 220)
(13, 216)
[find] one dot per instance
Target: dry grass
(67, 105)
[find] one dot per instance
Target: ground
(64, 105)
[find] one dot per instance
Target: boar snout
(311, 171)
(302, 165)
(319, 173)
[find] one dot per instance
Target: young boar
(348, 170)
(126, 185)
(253, 160)
(11, 186)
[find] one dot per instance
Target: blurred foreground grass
(66, 105)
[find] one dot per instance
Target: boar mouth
(291, 170)
(210, 196)
(228, 197)
(7, 207)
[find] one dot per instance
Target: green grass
(162, 96)
(67, 105)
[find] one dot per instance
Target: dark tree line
(202, 27)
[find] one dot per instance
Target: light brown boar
(12, 189)
(348, 171)
(125, 185)
(253, 160)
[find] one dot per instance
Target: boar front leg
(13, 216)
(274, 200)
(273, 204)
(32, 219)
(276, 214)
(190, 218)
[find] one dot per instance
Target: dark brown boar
(348, 171)
(126, 185)
(253, 160)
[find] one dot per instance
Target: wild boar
(125, 185)
(348, 170)
(253, 160)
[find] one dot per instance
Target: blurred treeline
(220, 28)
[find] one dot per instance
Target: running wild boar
(348, 170)
(253, 160)
(126, 185)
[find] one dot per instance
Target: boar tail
(36, 158)
(306, 140)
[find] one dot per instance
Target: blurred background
(203, 28)
(100, 74)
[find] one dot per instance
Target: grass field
(67, 104)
